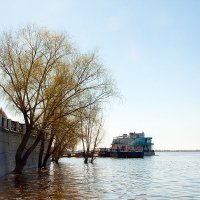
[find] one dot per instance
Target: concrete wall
(10, 137)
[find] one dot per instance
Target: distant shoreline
(177, 150)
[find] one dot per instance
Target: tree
(64, 135)
(47, 80)
(67, 138)
(67, 95)
(27, 59)
(91, 131)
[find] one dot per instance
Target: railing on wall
(10, 125)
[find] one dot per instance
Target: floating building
(133, 142)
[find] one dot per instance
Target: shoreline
(177, 150)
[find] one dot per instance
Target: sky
(151, 48)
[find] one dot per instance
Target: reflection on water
(167, 176)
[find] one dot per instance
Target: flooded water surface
(165, 176)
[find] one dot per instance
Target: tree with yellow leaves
(91, 130)
(47, 81)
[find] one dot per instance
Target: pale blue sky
(151, 47)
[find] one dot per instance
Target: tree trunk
(46, 158)
(86, 156)
(56, 160)
(86, 160)
(92, 157)
(48, 153)
(41, 152)
(21, 160)
(19, 166)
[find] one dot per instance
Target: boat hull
(104, 154)
(149, 153)
(124, 154)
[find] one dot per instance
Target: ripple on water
(167, 176)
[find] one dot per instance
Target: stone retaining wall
(10, 137)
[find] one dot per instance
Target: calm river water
(165, 176)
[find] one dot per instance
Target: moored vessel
(132, 145)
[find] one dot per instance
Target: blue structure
(133, 142)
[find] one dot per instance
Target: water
(165, 176)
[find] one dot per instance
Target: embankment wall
(11, 134)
